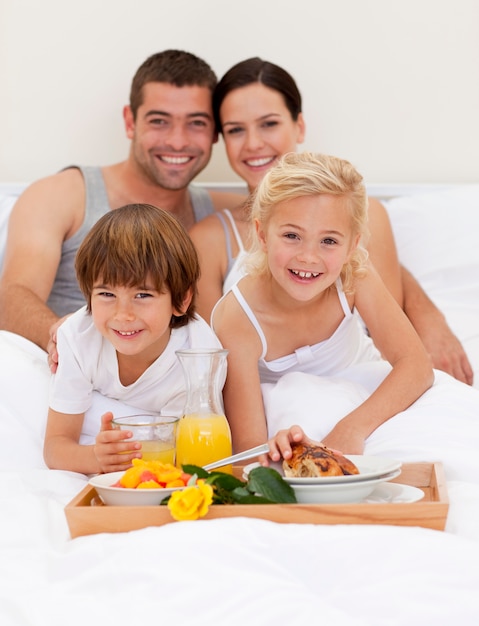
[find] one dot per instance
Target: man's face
(173, 133)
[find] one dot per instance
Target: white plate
(369, 467)
(120, 496)
(394, 493)
(336, 493)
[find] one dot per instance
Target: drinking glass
(156, 433)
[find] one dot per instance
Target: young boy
(138, 270)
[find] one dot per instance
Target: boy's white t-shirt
(88, 364)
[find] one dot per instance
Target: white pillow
(437, 232)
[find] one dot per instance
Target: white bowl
(120, 496)
(369, 467)
(333, 493)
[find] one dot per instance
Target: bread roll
(309, 461)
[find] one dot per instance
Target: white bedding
(244, 571)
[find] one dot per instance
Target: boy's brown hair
(134, 242)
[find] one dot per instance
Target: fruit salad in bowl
(145, 483)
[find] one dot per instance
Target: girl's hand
(112, 450)
(280, 444)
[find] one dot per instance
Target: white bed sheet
(238, 571)
(232, 571)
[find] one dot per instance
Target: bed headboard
(382, 191)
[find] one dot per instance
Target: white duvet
(231, 571)
(246, 571)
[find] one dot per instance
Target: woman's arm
(443, 346)
(445, 349)
(382, 249)
(209, 239)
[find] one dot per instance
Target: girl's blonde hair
(134, 242)
(297, 175)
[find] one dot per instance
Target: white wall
(391, 85)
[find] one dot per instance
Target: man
(170, 124)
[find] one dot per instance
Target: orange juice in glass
(156, 433)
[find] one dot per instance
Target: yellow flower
(192, 502)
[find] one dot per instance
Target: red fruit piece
(185, 477)
(147, 476)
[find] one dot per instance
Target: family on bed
(299, 280)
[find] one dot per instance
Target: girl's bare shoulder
(230, 319)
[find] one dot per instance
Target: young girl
(137, 269)
(296, 309)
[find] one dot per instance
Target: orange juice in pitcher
(203, 434)
(203, 439)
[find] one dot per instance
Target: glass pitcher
(203, 434)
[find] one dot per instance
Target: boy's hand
(112, 450)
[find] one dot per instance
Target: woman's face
(257, 129)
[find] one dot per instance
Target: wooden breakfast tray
(86, 515)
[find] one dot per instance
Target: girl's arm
(109, 453)
(398, 342)
(242, 391)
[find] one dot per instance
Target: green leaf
(267, 482)
(240, 492)
(222, 496)
(224, 481)
(242, 495)
(195, 469)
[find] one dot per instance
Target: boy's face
(173, 133)
(136, 320)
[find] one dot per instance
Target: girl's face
(307, 241)
(257, 130)
(136, 320)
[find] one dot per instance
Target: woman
(258, 109)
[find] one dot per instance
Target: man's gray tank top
(65, 296)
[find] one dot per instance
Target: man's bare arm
(42, 218)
